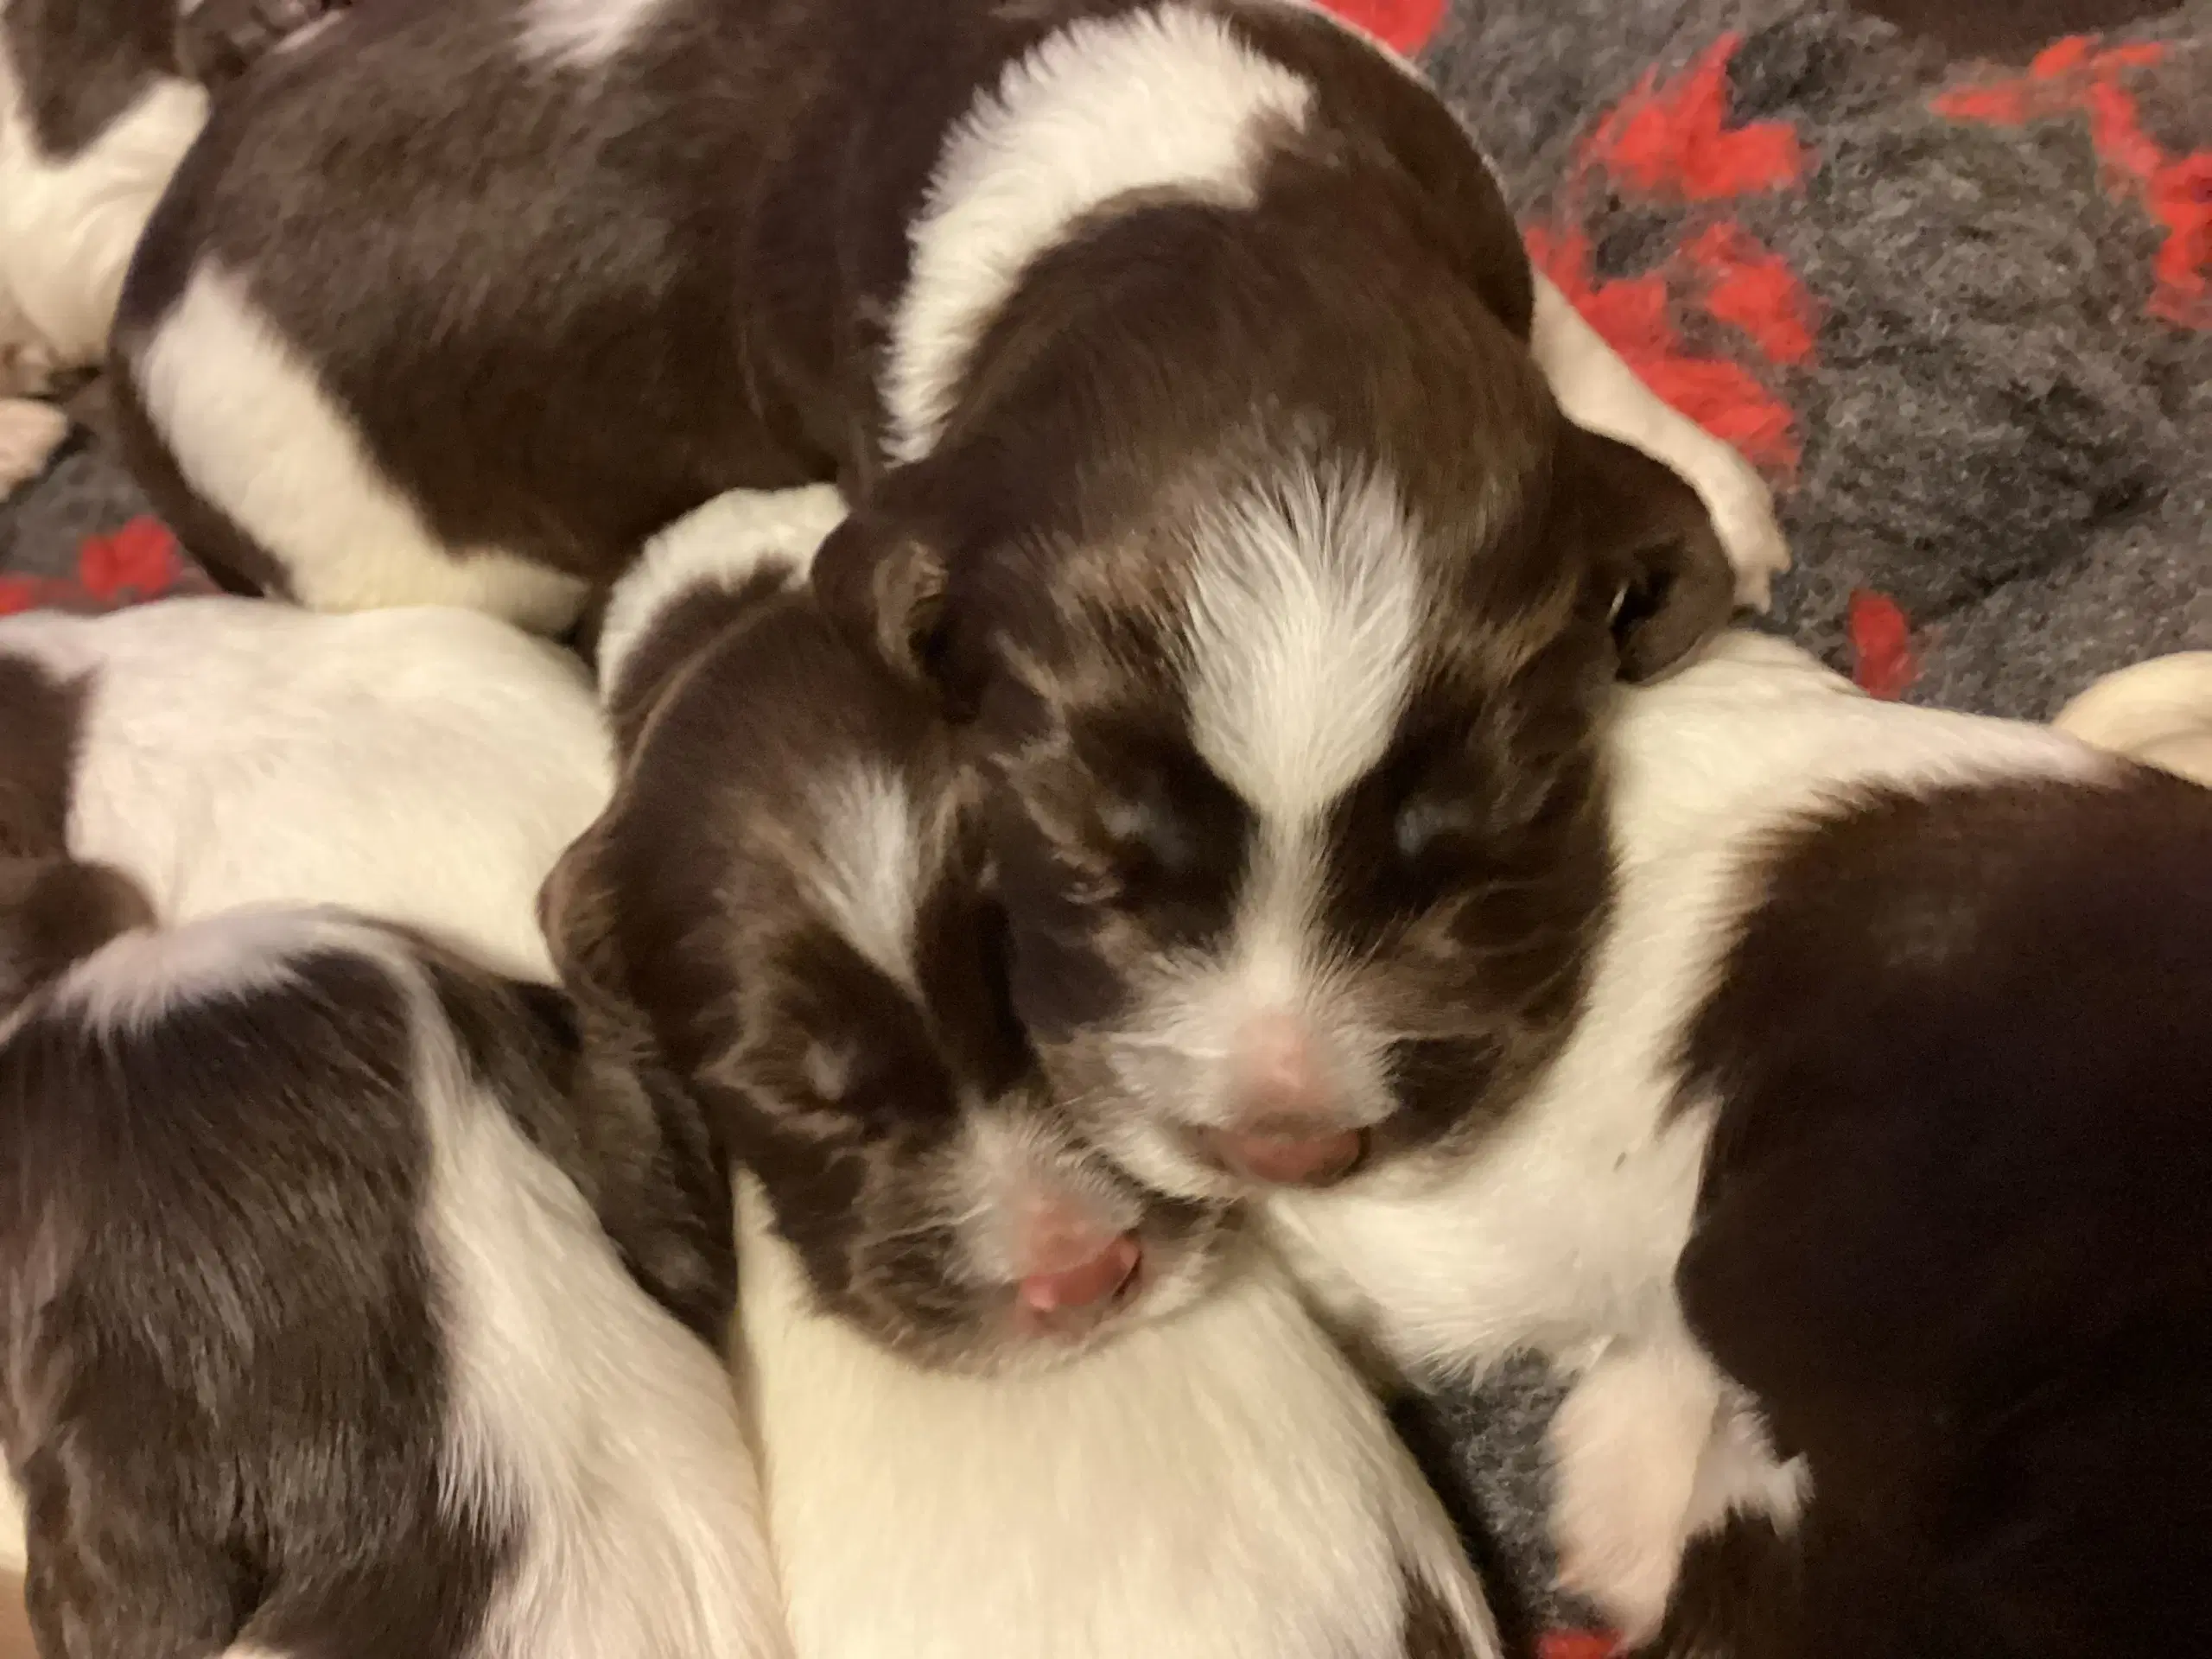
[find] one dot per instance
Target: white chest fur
(1217, 1485)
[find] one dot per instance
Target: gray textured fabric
(1994, 432)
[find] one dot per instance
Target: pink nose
(1285, 1131)
(1286, 1153)
(1074, 1273)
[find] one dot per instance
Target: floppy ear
(1658, 561)
(660, 1182)
(575, 912)
(884, 580)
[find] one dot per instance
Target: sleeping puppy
(1865, 1203)
(813, 240)
(785, 895)
(1208, 434)
(98, 101)
(996, 1417)
(312, 1342)
(422, 766)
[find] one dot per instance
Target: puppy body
(1179, 357)
(1144, 1462)
(100, 99)
(1631, 1217)
(315, 1343)
(1216, 1483)
(783, 896)
(422, 767)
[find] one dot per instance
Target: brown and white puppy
(1204, 422)
(1865, 1204)
(785, 889)
(785, 898)
(313, 1342)
(98, 101)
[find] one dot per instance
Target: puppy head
(1288, 674)
(786, 893)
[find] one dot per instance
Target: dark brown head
(786, 892)
(1284, 601)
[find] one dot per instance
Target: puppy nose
(1074, 1273)
(1289, 1152)
(1285, 1130)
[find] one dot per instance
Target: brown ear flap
(575, 912)
(883, 584)
(1663, 574)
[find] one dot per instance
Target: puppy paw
(1743, 517)
(1626, 1446)
(30, 434)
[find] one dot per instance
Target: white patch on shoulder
(871, 855)
(136, 978)
(1300, 638)
(584, 34)
(68, 226)
(721, 545)
(582, 1410)
(1165, 99)
(253, 429)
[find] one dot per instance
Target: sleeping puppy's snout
(1285, 1103)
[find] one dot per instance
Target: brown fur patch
(1951, 1230)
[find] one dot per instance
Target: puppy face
(786, 891)
(1292, 799)
(1303, 852)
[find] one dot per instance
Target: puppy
(312, 1342)
(423, 767)
(98, 101)
(784, 897)
(1208, 460)
(994, 1420)
(1863, 1202)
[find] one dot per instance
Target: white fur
(870, 852)
(1216, 1485)
(584, 1409)
(30, 434)
(2158, 712)
(720, 545)
(1560, 1231)
(133, 980)
(584, 34)
(249, 424)
(69, 226)
(1597, 390)
(1305, 608)
(1164, 99)
(422, 767)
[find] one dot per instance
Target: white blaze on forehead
(870, 858)
(1167, 100)
(1301, 633)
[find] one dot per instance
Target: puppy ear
(882, 582)
(659, 1174)
(576, 911)
(1657, 559)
